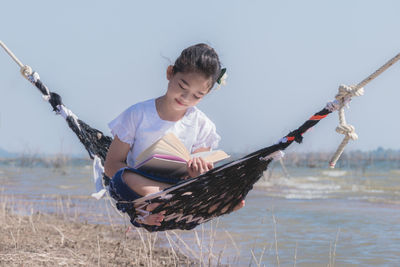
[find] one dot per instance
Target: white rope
(65, 113)
(11, 55)
(142, 214)
(98, 171)
(333, 106)
(25, 70)
(343, 98)
(277, 155)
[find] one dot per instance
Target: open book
(168, 156)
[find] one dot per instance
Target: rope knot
(26, 71)
(347, 130)
(343, 98)
(29, 74)
(346, 92)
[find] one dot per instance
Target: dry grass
(30, 237)
(39, 239)
(34, 238)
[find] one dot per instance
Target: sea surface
(294, 216)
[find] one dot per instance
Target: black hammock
(190, 202)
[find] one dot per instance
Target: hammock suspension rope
(344, 96)
(217, 192)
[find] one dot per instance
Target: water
(313, 217)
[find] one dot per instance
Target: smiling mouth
(180, 103)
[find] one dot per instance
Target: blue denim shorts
(119, 190)
(124, 195)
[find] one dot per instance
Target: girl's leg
(144, 187)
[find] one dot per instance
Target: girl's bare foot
(153, 219)
(239, 206)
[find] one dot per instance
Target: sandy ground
(51, 240)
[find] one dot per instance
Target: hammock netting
(190, 202)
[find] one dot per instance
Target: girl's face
(186, 89)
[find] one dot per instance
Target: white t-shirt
(140, 126)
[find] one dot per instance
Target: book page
(211, 156)
(159, 147)
(177, 145)
(169, 144)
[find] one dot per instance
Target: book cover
(169, 156)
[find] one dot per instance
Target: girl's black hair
(200, 58)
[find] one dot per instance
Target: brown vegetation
(50, 240)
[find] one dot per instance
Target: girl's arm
(116, 156)
(118, 152)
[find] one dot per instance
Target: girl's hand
(197, 166)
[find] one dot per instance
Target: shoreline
(303, 212)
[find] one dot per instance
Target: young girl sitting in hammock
(191, 78)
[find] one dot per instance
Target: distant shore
(352, 159)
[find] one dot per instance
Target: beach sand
(52, 240)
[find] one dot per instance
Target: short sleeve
(124, 126)
(207, 136)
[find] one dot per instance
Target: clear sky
(285, 60)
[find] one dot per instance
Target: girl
(191, 78)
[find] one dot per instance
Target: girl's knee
(140, 184)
